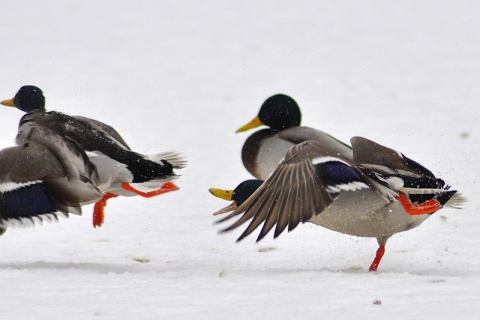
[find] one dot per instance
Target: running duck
(38, 183)
(120, 170)
(263, 150)
(377, 193)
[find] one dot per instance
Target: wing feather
(291, 195)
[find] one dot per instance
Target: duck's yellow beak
(8, 103)
(222, 194)
(252, 124)
(225, 195)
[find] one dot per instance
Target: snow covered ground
(184, 75)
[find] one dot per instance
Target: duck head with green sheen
(27, 99)
(238, 195)
(264, 148)
(278, 112)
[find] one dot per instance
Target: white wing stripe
(328, 159)
(351, 186)
(10, 186)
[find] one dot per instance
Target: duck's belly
(366, 214)
(111, 174)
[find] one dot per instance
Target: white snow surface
(183, 76)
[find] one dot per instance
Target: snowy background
(184, 75)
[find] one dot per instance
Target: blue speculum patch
(26, 202)
(335, 173)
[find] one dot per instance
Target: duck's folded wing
(72, 159)
(105, 128)
(371, 154)
(304, 184)
(89, 134)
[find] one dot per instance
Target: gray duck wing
(371, 154)
(85, 134)
(105, 128)
(35, 184)
(88, 136)
(37, 129)
(304, 184)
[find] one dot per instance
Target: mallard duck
(263, 150)
(377, 193)
(120, 170)
(39, 183)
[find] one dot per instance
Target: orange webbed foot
(99, 209)
(166, 187)
(415, 208)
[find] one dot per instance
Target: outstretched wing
(36, 185)
(304, 184)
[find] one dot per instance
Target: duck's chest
(366, 214)
(269, 154)
(264, 149)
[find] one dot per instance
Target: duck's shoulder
(80, 130)
(38, 118)
(106, 129)
(41, 124)
(301, 134)
(46, 122)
